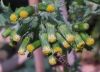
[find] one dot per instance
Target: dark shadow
(16, 3)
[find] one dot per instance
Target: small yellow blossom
(13, 17)
(16, 38)
(65, 44)
(51, 38)
(57, 49)
(46, 50)
(23, 14)
(52, 60)
(50, 8)
(70, 38)
(90, 41)
(30, 47)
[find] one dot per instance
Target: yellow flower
(50, 8)
(51, 38)
(23, 14)
(52, 60)
(13, 17)
(70, 38)
(16, 38)
(90, 41)
(57, 49)
(81, 45)
(30, 47)
(65, 44)
(46, 50)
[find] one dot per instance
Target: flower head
(50, 8)
(90, 41)
(13, 17)
(70, 38)
(30, 47)
(51, 38)
(57, 50)
(23, 14)
(52, 60)
(16, 38)
(46, 50)
(65, 44)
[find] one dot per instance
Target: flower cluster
(43, 29)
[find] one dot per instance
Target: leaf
(23, 29)
(2, 20)
(34, 22)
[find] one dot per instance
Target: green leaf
(2, 20)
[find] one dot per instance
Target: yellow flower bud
(81, 45)
(30, 47)
(65, 44)
(52, 60)
(16, 38)
(46, 50)
(51, 38)
(57, 49)
(70, 38)
(50, 8)
(90, 41)
(13, 17)
(23, 14)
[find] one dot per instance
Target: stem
(38, 56)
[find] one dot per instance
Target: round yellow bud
(51, 38)
(90, 41)
(81, 45)
(65, 44)
(70, 38)
(46, 50)
(50, 8)
(16, 38)
(57, 49)
(52, 60)
(23, 14)
(30, 47)
(13, 17)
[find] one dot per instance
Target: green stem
(6, 32)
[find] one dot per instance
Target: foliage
(4, 14)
